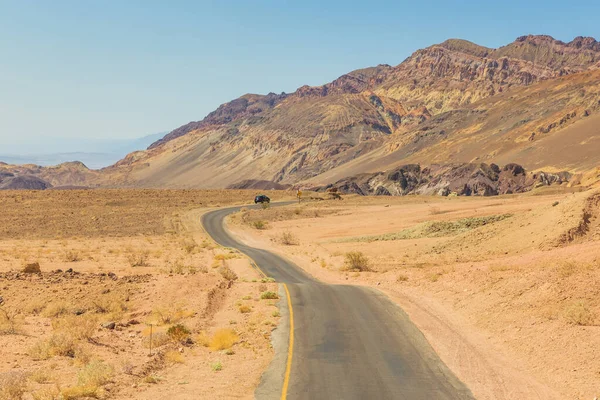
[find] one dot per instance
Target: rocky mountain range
(534, 102)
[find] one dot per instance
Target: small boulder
(109, 325)
(33, 268)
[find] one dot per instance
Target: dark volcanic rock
(24, 182)
(462, 179)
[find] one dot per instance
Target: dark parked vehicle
(261, 199)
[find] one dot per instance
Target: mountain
(94, 153)
(533, 102)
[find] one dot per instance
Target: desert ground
(89, 279)
(506, 289)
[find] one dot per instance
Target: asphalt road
(351, 342)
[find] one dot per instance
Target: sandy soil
(118, 266)
(512, 306)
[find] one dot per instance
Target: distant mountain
(94, 153)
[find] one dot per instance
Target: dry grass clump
(269, 296)
(226, 256)
(90, 380)
(59, 344)
(180, 268)
(10, 322)
(356, 261)
(80, 327)
(113, 305)
(170, 315)
(174, 357)
(223, 339)
(79, 392)
(227, 273)
(138, 258)
(288, 239)
(12, 385)
(567, 269)
(245, 309)
(402, 278)
(35, 306)
(95, 374)
(260, 225)
(216, 366)
(159, 338)
(580, 314)
(41, 376)
(57, 309)
(203, 339)
(71, 256)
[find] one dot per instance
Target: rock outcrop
(460, 179)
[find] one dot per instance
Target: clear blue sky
(129, 68)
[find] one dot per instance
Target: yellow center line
(286, 380)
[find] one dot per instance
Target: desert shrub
(265, 206)
(216, 366)
(356, 261)
(95, 374)
(178, 333)
(269, 296)
(77, 326)
(227, 273)
(41, 376)
(225, 256)
(267, 280)
(579, 314)
(223, 339)
(567, 269)
(276, 314)
(260, 225)
(12, 385)
(174, 357)
(244, 309)
(59, 344)
(289, 239)
(159, 338)
(170, 315)
(203, 339)
(57, 309)
(33, 268)
(152, 379)
(10, 322)
(71, 256)
(113, 304)
(323, 263)
(138, 259)
(79, 392)
(35, 306)
(46, 394)
(189, 246)
(402, 278)
(179, 268)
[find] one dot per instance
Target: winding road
(349, 342)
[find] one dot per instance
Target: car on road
(261, 198)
